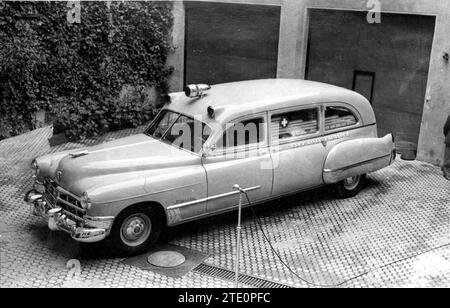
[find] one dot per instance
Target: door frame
(233, 153)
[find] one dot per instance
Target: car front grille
(69, 203)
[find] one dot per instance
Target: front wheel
(134, 231)
(350, 187)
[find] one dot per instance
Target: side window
(294, 124)
(247, 132)
(339, 117)
(188, 134)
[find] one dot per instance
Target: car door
(298, 152)
(241, 156)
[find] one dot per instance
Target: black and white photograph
(222, 149)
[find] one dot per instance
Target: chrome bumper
(57, 221)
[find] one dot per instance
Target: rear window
(339, 117)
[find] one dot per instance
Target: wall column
(437, 102)
(292, 48)
(176, 57)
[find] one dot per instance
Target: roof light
(196, 90)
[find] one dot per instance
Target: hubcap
(136, 229)
(352, 182)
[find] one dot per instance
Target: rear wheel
(351, 186)
(135, 230)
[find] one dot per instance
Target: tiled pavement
(395, 233)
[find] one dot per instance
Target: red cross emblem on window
(284, 122)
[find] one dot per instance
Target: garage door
(388, 63)
(230, 42)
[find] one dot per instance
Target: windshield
(179, 130)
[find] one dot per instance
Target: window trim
(276, 112)
(156, 118)
(353, 110)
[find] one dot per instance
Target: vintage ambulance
(271, 137)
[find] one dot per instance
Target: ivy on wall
(79, 71)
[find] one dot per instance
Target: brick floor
(395, 233)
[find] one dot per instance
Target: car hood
(130, 155)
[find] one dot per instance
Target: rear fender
(356, 157)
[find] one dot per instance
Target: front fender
(49, 163)
(356, 157)
(166, 187)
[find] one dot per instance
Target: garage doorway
(388, 63)
(227, 42)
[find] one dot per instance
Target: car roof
(237, 99)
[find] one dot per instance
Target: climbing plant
(78, 71)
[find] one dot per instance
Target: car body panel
(166, 187)
(357, 156)
(223, 171)
(298, 161)
(305, 172)
(124, 157)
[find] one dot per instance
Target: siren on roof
(196, 90)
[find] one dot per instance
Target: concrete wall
(293, 51)
(397, 53)
(235, 42)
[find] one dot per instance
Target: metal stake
(238, 237)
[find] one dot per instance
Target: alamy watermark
(74, 279)
(374, 12)
(241, 140)
(74, 12)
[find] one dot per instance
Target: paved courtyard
(395, 233)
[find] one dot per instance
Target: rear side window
(339, 117)
(294, 124)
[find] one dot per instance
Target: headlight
(35, 167)
(85, 201)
